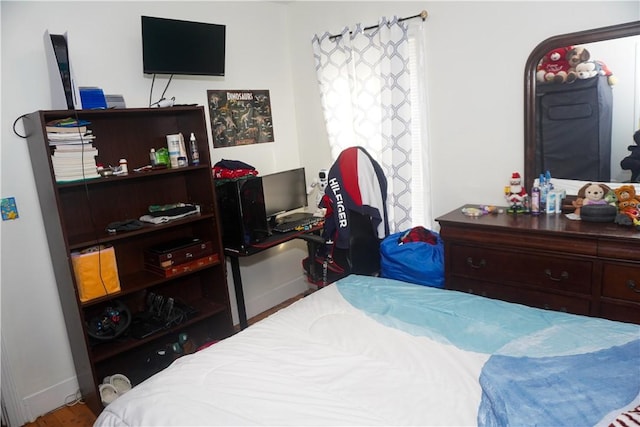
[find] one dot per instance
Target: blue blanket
(546, 368)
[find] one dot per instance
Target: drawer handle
(563, 276)
(631, 284)
(481, 264)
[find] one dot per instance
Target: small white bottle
(152, 157)
(124, 168)
(193, 147)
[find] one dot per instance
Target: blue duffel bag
(415, 256)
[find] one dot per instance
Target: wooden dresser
(545, 261)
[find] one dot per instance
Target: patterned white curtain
(373, 94)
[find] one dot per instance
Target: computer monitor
(284, 192)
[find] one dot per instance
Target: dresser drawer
(517, 295)
(548, 272)
(621, 312)
(621, 281)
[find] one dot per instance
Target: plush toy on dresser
(554, 67)
(596, 203)
(626, 196)
(628, 206)
(593, 68)
(576, 55)
(591, 194)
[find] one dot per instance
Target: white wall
(105, 50)
(476, 57)
(477, 52)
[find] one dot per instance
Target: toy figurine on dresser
(516, 195)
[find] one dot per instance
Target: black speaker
(242, 212)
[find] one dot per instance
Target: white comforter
(320, 362)
(368, 351)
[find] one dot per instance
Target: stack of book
(74, 156)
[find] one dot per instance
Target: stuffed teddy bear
(632, 161)
(627, 197)
(593, 68)
(591, 194)
(576, 55)
(587, 69)
(554, 67)
(628, 211)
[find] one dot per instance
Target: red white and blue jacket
(356, 182)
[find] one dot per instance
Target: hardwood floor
(79, 415)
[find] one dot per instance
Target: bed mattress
(371, 351)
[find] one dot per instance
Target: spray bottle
(193, 147)
(535, 200)
(543, 193)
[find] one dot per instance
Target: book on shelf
(63, 179)
(76, 176)
(74, 160)
(70, 138)
(69, 122)
(62, 142)
(74, 147)
(76, 154)
(65, 170)
(70, 162)
(80, 169)
(67, 129)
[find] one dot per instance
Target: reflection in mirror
(618, 47)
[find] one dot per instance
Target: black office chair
(355, 223)
(632, 162)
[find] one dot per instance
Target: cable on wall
(24, 116)
(163, 102)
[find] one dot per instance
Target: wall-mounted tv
(171, 46)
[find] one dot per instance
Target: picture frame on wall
(240, 117)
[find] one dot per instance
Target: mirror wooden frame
(580, 37)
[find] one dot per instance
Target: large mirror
(618, 47)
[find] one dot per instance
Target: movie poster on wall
(240, 117)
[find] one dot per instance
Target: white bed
(370, 351)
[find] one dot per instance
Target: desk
(271, 241)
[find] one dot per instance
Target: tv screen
(171, 46)
(284, 191)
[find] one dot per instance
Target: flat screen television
(171, 46)
(284, 192)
